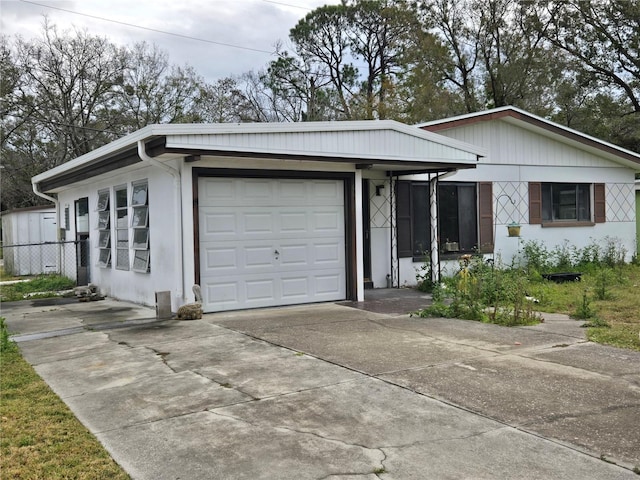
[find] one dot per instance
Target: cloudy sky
(227, 37)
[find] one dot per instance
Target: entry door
(269, 242)
(82, 241)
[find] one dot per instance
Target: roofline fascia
(152, 131)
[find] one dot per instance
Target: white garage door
(268, 242)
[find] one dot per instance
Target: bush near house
(606, 298)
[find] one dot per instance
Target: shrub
(6, 345)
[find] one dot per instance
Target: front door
(82, 241)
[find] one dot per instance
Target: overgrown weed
(513, 294)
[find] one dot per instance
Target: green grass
(41, 438)
(47, 285)
(619, 308)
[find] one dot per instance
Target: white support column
(433, 210)
(359, 238)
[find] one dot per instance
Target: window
(566, 203)
(465, 218)
(104, 229)
(140, 226)
(457, 217)
(122, 228)
(413, 219)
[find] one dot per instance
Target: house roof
(543, 127)
(379, 144)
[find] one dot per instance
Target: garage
(270, 241)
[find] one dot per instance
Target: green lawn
(41, 439)
(620, 307)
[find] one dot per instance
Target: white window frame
(121, 228)
(140, 226)
(103, 207)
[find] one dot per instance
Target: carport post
(359, 238)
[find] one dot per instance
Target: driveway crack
(283, 428)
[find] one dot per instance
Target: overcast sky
(249, 24)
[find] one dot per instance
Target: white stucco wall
(127, 284)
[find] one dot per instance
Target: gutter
(51, 199)
(177, 177)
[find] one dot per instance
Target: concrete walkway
(330, 391)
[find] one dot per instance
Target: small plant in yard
(423, 275)
(596, 323)
(604, 280)
(6, 345)
(584, 310)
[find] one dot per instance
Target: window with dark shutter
(566, 204)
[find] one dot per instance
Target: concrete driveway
(335, 392)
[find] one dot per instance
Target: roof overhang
(382, 145)
(542, 127)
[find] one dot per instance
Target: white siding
(513, 145)
(381, 144)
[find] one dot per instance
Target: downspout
(177, 178)
(56, 202)
(47, 197)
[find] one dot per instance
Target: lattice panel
(620, 202)
(379, 205)
(504, 210)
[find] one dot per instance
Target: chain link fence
(63, 258)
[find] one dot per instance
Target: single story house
(556, 183)
(24, 231)
(256, 214)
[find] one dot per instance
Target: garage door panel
(290, 255)
(258, 223)
(215, 224)
(258, 257)
(267, 242)
(217, 191)
(221, 259)
(254, 191)
(326, 222)
(328, 254)
(292, 192)
(327, 193)
(227, 294)
(260, 290)
(328, 284)
(293, 222)
(295, 288)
